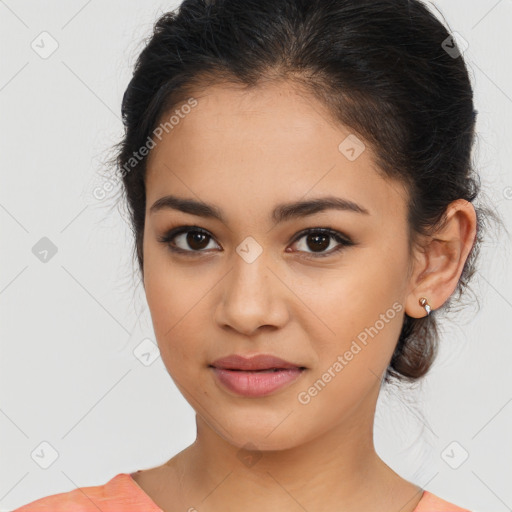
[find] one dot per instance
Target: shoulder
(432, 503)
(119, 493)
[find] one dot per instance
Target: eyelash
(343, 240)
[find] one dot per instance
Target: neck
(338, 470)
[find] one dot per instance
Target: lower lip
(256, 383)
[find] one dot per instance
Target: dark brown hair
(388, 69)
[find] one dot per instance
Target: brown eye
(187, 239)
(318, 240)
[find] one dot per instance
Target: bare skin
(246, 152)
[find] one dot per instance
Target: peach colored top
(123, 494)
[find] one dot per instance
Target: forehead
(273, 142)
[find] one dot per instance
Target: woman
(301, 193)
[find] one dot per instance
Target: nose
(253, 298)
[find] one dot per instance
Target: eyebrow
(281, 212)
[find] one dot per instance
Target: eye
(319, 239)
(194, 237)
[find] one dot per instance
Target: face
(329, 300)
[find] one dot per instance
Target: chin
(256, 432)
(252, 442)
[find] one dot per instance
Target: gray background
(69, 377)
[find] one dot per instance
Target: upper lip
(256, 362)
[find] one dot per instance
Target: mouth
(258, 376)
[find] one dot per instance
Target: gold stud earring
(424, 303)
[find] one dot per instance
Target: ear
(439, 262)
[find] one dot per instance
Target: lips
(259, 362)
(257, 376)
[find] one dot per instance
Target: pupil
(316, 238)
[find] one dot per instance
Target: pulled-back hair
(388, 69)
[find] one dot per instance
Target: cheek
(361, 316)
(174, 304)
(361, 303)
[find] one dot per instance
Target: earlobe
(442, 261)
(419, 305)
